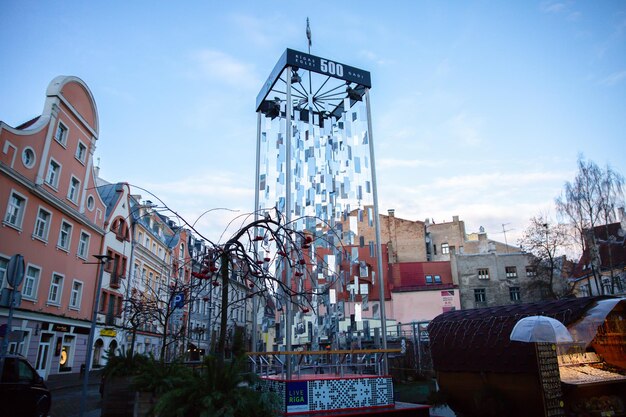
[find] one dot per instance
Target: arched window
(120, 228)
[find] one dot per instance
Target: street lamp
(102, 259)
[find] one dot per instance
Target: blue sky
(480, 108)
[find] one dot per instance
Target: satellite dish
(481, 229)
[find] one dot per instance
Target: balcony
(116, 281)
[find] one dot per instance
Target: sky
(479, 108)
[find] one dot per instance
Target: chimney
(392, 212)
(455, 219)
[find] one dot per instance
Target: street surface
(66, 401)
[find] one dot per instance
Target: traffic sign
(15, 270)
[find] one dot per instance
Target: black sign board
(56, 327)
(324, 66)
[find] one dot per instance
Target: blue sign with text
(297, 396)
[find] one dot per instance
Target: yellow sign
(108, 332)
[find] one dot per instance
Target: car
(23, 392)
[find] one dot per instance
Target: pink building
(54, 217)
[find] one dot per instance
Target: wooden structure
(483, 373)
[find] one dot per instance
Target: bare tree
(156, 306)
(547, 243)
(591, 199)
(274, 259)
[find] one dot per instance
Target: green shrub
(219, 389)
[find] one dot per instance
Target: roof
(477, 340)
(611, 244)
(110, 195)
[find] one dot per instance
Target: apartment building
(118, 246)
(54, 217)
(151, 272)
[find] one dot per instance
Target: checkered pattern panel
(336, 394)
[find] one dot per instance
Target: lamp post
(102, 259)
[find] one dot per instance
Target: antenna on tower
(308, 33)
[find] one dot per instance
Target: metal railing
(334, 362)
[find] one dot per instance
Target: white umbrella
(540, 329)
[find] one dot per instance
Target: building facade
(54, 217)
(492, 279)
(118, 246)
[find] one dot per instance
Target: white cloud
(225, 195)
(552, 7)
(371, 56)
(221, 67)
(614, 78)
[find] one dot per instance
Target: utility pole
(504, 231)
(102, 259)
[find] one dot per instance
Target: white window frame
(482, 274)
(91, 203)
(65, 131)
(58, 289)
(4, 263)
(85, 246)
(76, 295)
(35, 279)
(19, 215)
(531, 271)
(25, 153)
(73, 189)
(46, 230)
(512, 273)
(81, 156)
(65, 247)
(445, 248)
(53, 180)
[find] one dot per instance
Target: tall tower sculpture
(315, 168)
